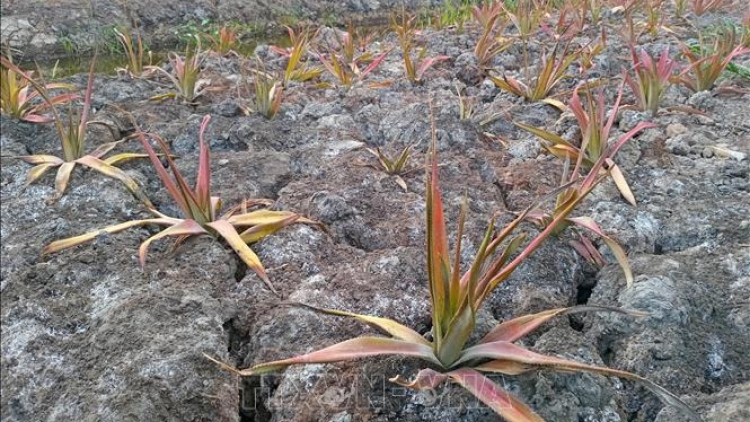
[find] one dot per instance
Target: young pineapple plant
(72, 136)
(538, 88)
(269, 92)
(414, 67)
(455, 299)
(186, 78)
(595, 128)
(296, 70)
(708, 62)
(491, 42)
(652, 78)
(350, 61)
(134, 53)
(224, 41)
(18, 95)
(349, 73)
(397, 166)
(201, 212)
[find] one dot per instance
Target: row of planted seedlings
(355, 54)
(455, 297)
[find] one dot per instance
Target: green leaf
(458, 332)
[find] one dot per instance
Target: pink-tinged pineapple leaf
(506, 354)
(428, 63)
(578, 111)
(437, 247)
(497, 399)
(203, 182)
(183, 228)
(612, 151)
(588, 251)
(613, 114)
(357, 348)
(59, 245)
(36, 118)
(374, 64)
(174, 192)
(227, 231)
(389, 326)
(588, 223)
(178, 189)
(519, 327)
(620, 182)
(62, 178)
(86, 109)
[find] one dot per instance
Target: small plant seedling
(18, 95)
(296, 70)
(455, 299)
(238, 226)
(415, 68)
(269, 92)
(397, 166)
(707, 63)
(491, 42)
(595, 128)
(133, 53)
(225, 41)
(72, 138)
(186, 78)
(554, 66)
(652, 78)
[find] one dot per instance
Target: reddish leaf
(499, 400)
(203, 182)
(357, 348)
(519, 327)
